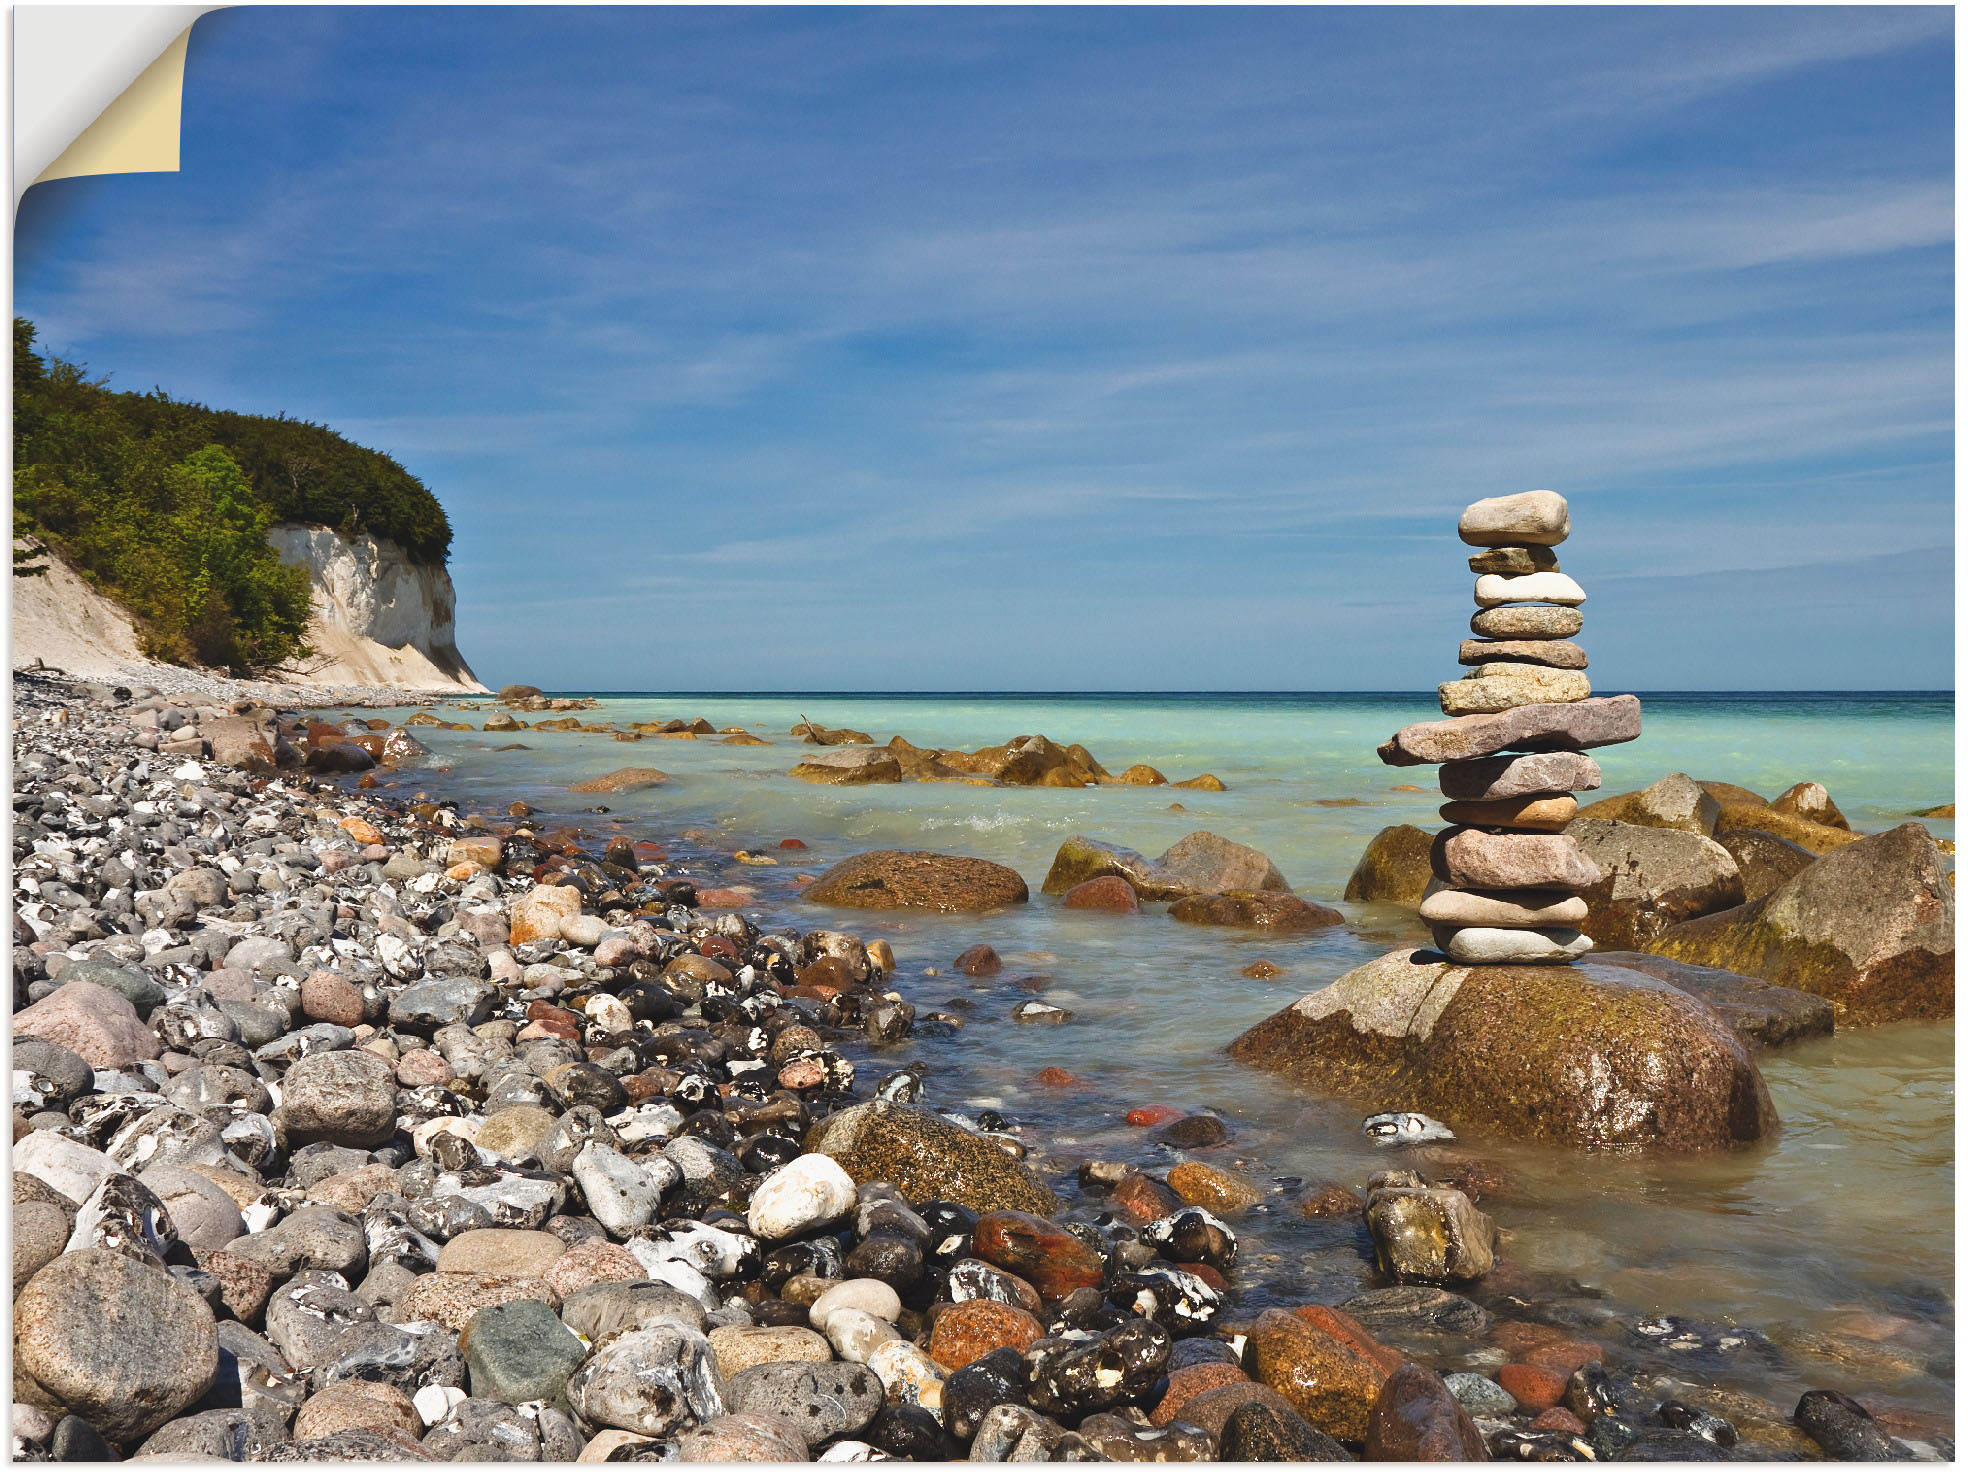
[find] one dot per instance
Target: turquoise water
(1836, 1241)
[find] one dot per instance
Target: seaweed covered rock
(1395, 868)
(1581, 1055)
(1869, 927)
(889, 879)
(927, 1158)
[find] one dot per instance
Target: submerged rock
(1255, 910)
(889, 879)
(1395, 869)
(1581, 1055)
(927, 1158)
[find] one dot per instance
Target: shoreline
(401, 834)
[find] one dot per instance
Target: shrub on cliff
(166, 505)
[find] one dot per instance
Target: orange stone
(1534, 1388)
(362, 830)
(1151, 1115)
(970, 1330)
(1189, 1382)
(1056, 1078)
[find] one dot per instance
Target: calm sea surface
(1835, 1242)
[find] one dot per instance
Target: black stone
(1845, 1429)
(1256, 1432)
(998, 1378)
(1072, 1378)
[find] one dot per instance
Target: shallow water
(1835, 1241)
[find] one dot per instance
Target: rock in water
(927, 1158)
(1395, 869)
(1869, 927)
(1761, 1013)
(124, 1346)
(1416, 1419)
(1428, 1234)
(1651, 879)
(1601, 721)
(1534, 518)
(889, 879)
(1580, 1055)
(1254, 909)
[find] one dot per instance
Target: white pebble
(802, 1194)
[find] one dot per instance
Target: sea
(1824, 1258)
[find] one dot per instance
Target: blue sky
(1079, 349)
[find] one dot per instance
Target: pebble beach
(373, 1104)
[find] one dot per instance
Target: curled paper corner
(98, 89)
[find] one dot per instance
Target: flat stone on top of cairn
(1511, 750)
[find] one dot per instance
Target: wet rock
(822, 1401)
(1427, 1234)
(1869, 927)
(1259, 1432)
(1072, 1378)
(519, 1351)
(651, 1380)
(1195, 1132)
(1115, 1438)
(1480, 1395)
(889, 879)
(927, 1158)
(1394, 869)
(122, 1345)
(1192, 1235)
(622, 780)
(1109, 893)
(979, 960)
(1506, 1050)
(967, 1332)
(1759, 1012)
(1327, 1380)
(1081, 860)
(1205, 863)
(1652, 879)
(1764, 861)
(1416, 1419)
(999, 1378)
(1255, 910)
(1533, 1387)
(1845, 1429)
(1047, 1256)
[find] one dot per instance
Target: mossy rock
(1395, 868)
(1582, 1055)
(927, 1158)
(889, 879)
(1869, 927)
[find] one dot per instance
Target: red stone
(1143, 1199)
(1565, 1356)
(1109, 893)
(979, 960)
(1150, 1115)
(722, 899)
(1056, 1078)
(1208, 1274)
(1559, 1419)
(1044, 1254)
(1349, 1331)
(1188, 1383)
(716, 947)
(972, 1329)
(792, 843)
(1534, 1388)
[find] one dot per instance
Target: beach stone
(1330, 1200)
(1500, 687)
(1415, 1310)
(1763, 860)
(1186, 1382)
(1109, 893)
(538, 913)
(519, 1351)
(927, 1158)
(980, 960)
(1528, 909)
(344, 1405)
(603, 1309)
(345, 1098)
(96, 1024)
(820, 1400)
(1395, 869)
(1761, 1013)
(501, 1252)
(1576, 726)
(1535, 587)
(41, 1231)
(1469, 858)
(744, 1436)
(1845, 1429)
(1197, 1184)
(1479, 945)
(1869, 927)
(47, 1075)
(68, 1168)
(623, 1194)
(122, 1345)
(1046, 1255)
(1533, 1388)
(1257, 1431)
(1535, 774)
(1559, 654)
(1818, 838)
(587, 1263)
(1074, 1377)
(1676, 801)
(1205, 863)
(1582, 1055)
(809, 1192)
(1480, 1395)
(849, 766)
(1323, 1378)
(1546, 813)
(231, 1434)
(309, 1239)
(739, 1347)
(1526, 621)
(652, 1380)
(1116, 1438)
(1514, 560)
(1416, 1419)
(202, 1214)
(1534, 518)
(1255, 910)
(1651, 880)
(328, 996)
(451, 1299)
(866, 1295)
(965, 1332)
(1431, 1234)
(889, 879)
(1810, 801)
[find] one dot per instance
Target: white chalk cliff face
(380, 619)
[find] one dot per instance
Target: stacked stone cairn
(1512, 751)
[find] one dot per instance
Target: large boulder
(927, 1158)
(1761, 1013)
(1209, 864)
(1395, 868)
(1651, 879)
(1255, 909)
(1764, 860)
(1081, 858)
(889, 879)
(1869, 927)
(1582, 1055)
(849, 766)
(1678, 801)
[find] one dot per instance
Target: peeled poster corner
(98, 89)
